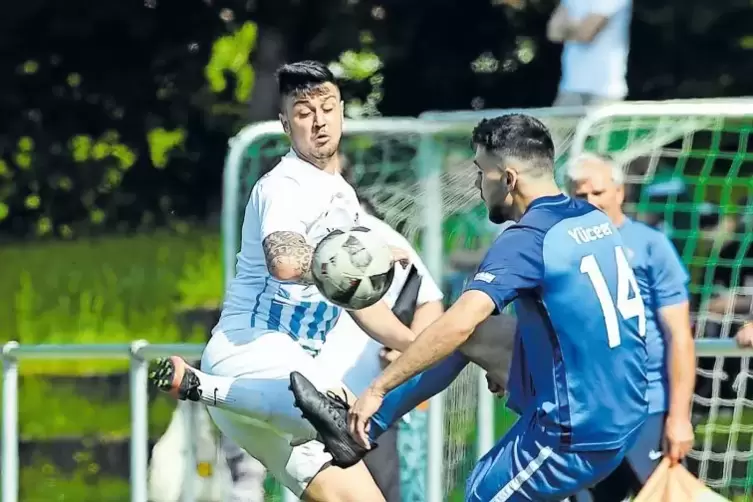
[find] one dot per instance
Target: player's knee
(354, 484)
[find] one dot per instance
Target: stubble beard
(324, 154)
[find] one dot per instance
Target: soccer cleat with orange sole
(174, 376)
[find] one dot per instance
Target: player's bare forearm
(676, 319)
(380, 323)
(426, 314)
(586, 29)
(288, 257)
(437, 341)
(556, 28)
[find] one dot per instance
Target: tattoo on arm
(290, 251)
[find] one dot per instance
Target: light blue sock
(415, 391)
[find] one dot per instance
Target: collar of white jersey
(294, 159)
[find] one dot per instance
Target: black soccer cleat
(328, 413)
(174, 376)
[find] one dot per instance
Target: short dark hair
(302, 77)
(517, 135)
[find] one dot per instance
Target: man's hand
(494, 387)
(361, 412)
(678, 436)
(387, 356)
(400, 256)
(744, 337)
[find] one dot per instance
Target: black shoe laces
(192, 390)
(338, 406)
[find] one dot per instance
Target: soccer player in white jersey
(274, 320)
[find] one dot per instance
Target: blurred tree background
(114, 127)
(116, 115)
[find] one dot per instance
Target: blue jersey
(581, 321)
(663, 280)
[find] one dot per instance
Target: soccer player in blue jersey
(662, 280)
(581, 324)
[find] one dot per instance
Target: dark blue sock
(415, 391)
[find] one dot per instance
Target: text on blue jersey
(581, 321)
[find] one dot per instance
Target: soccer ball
(353, 268)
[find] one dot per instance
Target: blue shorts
(528, 465)
(635, 469)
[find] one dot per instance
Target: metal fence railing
(138, 354)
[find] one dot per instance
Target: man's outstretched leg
(244, 381)
(249, 379)
(490, 347)
(264, 399)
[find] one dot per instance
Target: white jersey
(598, 67)
(297, 197)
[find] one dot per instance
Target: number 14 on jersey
(628, 301)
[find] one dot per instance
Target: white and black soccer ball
(353, 268)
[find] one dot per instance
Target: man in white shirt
(274, 320)
(596, 40)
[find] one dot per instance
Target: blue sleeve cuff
(513, 404)
(673, 298)
(488, 290)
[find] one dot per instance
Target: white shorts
(265, 359)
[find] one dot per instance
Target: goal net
(689, 170)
